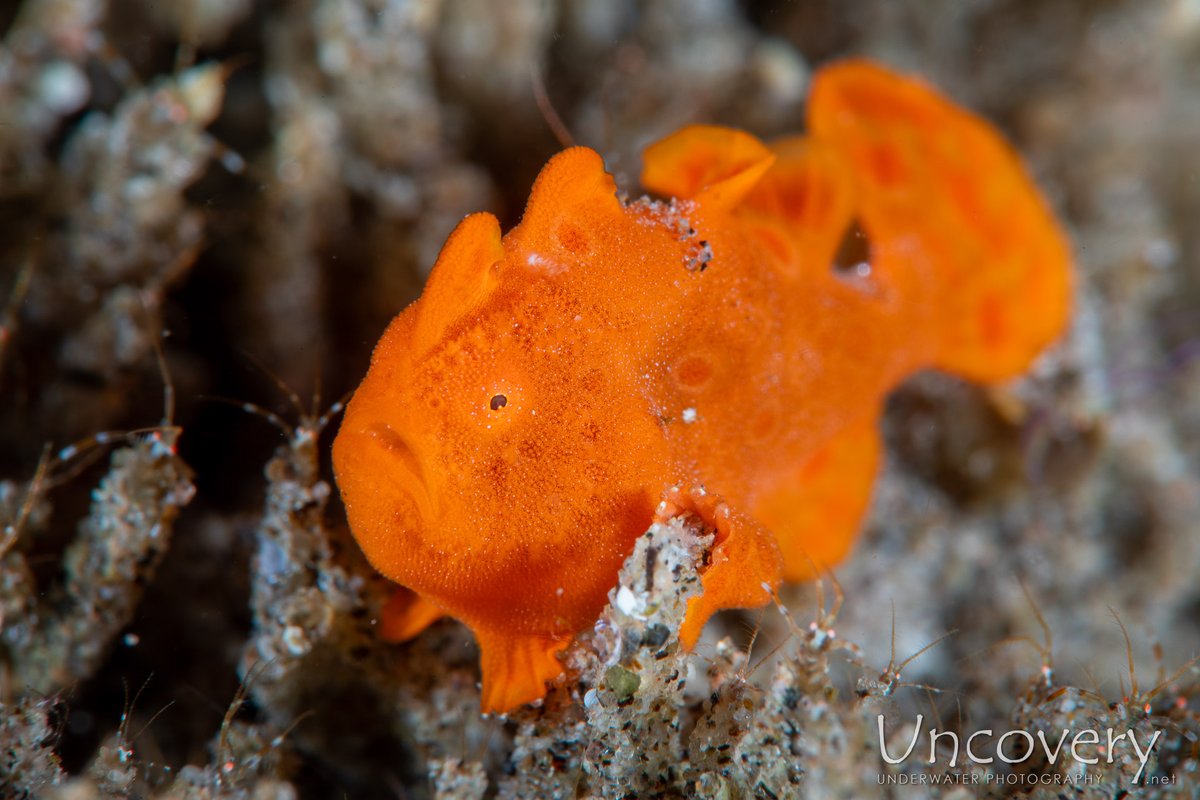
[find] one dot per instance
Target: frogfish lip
(401, 468)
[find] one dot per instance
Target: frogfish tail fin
(947, 202)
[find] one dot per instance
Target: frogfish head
(487, 461)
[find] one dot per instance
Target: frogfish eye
(498, 402)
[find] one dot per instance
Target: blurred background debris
(252, 190)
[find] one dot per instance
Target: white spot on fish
(538, 261)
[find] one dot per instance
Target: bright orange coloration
(522, 422)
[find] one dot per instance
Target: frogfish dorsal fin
(573, 201)
(809, 193)
(713, 165)
(465, 275)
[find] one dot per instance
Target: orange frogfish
(604, 364)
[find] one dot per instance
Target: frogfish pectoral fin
(406, 614)
(744, 564)
(815, 512)
(516, 667)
